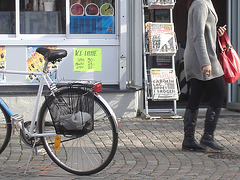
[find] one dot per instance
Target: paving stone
(148, 149)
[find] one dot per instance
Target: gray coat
(201, 41)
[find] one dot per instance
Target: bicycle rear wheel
(5, 129)
(85, 154)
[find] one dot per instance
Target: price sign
(89, 59)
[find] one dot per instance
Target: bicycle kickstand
(34, 152)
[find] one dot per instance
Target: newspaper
(164, 84)
(161, 4)
(160, 39)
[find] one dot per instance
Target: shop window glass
(92, 16)
(7, 17)
(42, 17)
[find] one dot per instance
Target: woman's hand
(207, 70)
(221, 30)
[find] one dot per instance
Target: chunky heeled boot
(207, 140)
(189, 142)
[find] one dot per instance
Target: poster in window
(35, 63)
(106, 10)
(164, 84)
(77, 10)
(91, 10)
(92, 17)
(2, 63)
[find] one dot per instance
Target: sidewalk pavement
(148, 149)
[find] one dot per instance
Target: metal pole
(144, 62)
(229, 27)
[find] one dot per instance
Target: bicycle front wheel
(5, 129)
(86, 154)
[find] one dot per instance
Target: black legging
(215, 87)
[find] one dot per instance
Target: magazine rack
(159, 44)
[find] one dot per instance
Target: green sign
(89, 59)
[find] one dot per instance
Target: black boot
(189, 142)
(210, 126)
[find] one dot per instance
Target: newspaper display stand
(159, 44)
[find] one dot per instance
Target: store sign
(164, 84)
(88, 59)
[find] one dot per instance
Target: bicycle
(75, 125)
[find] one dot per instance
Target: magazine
(161, 4)
(160, 39)
(164, 84)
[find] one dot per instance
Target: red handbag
(229, 59)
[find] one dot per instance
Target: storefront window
(7, 17)
(92, 16)
(42, 16)
(49, 17)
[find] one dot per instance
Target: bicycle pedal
(17, 118)
(41, 151)
(13, 127)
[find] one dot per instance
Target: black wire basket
(72, 113)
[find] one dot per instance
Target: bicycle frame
(45, 79)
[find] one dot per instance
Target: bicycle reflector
(97, 87)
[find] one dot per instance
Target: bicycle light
(97, 87)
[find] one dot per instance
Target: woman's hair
(189, 2)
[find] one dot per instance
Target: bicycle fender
(116, 123)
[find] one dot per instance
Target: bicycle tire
(5, 129)
(84, 155)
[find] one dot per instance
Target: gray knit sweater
(201, 41)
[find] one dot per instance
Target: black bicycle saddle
(52, 55)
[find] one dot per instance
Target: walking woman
(204, 73)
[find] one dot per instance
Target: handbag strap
(227, 40)
(222, 43)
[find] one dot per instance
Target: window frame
(60, 39)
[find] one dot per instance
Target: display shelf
(159, 47)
